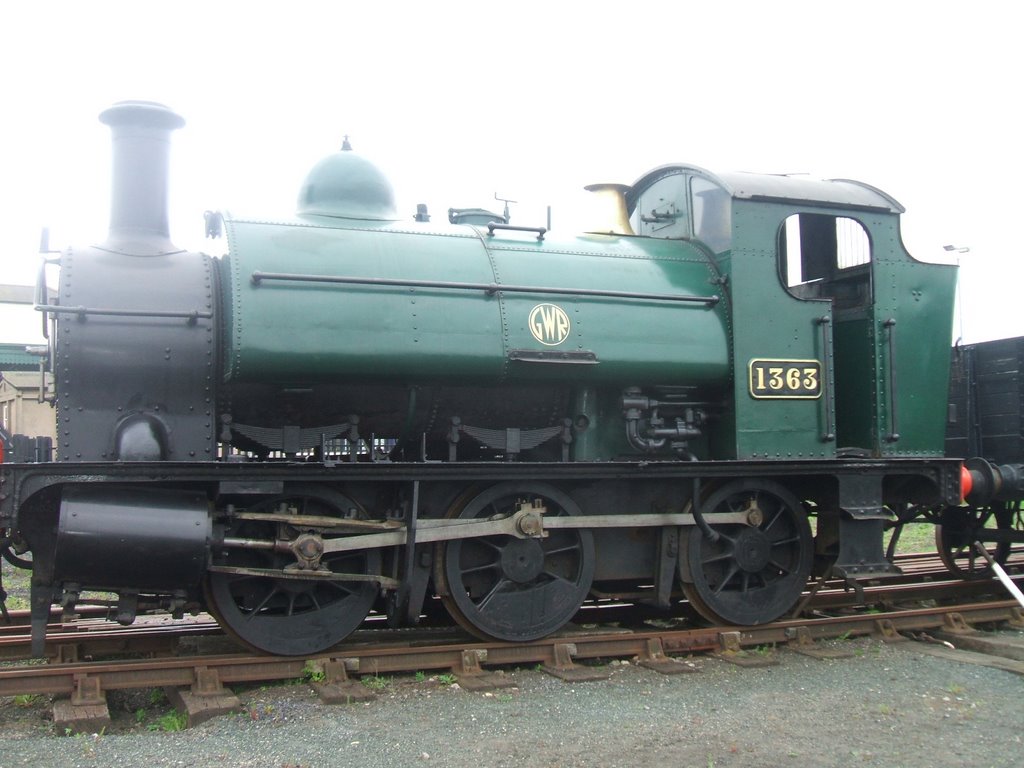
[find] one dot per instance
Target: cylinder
(141, 150)
(132, 538)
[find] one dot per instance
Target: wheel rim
(290, 617)
(959, 528)
(751, 574)
(506, 588)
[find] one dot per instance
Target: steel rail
(363, 659)
(92, 635)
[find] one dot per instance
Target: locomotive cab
(824, 304)
(822, 292)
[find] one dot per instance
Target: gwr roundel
(549, 324)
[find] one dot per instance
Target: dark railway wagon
(986, 420)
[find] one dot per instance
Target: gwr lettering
(549, 324)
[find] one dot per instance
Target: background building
(21, 411)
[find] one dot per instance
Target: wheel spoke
(529, 588)
(773, 521)
(957, 530)
(718, 558)
(560, 550)
(561, 581)
(255, 611)
(482, 605)
(733, 570)
(755, 574)
(488, 543)
(723, 536)
(342, 586)
(292, 616)
(479, 568)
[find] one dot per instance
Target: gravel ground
(886, 706)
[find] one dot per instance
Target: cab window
(661, 209)
(681, 205)
(826, 257)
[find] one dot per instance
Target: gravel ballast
(887, 705)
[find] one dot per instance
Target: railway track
(195, 663)
(89, 635)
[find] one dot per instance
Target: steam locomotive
(350, 412)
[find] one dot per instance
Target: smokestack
(141, 132)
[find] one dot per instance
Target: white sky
(457, 100)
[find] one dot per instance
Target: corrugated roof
(13, 357)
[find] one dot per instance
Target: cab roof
(845, 193)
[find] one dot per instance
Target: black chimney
(141, 132)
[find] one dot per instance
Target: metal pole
(1003, 576)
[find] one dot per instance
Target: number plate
(785, 379)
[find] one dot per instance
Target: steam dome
(347, 186)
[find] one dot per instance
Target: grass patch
(375, 682)
(170, 723)
(916, 537)
(313, 673)
(16, 582)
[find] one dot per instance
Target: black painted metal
(986, 395)
(143, 369)
(894, 429)
(493, 225)
(138, 212)
(828, 435)
(292, 617)
(110, 538)
(941, 476)
(581, 357)
(400, 609)
(515, 589)
(960, 528)
(750, 574)
(860, 549)
(191, 315)
(133, 381)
